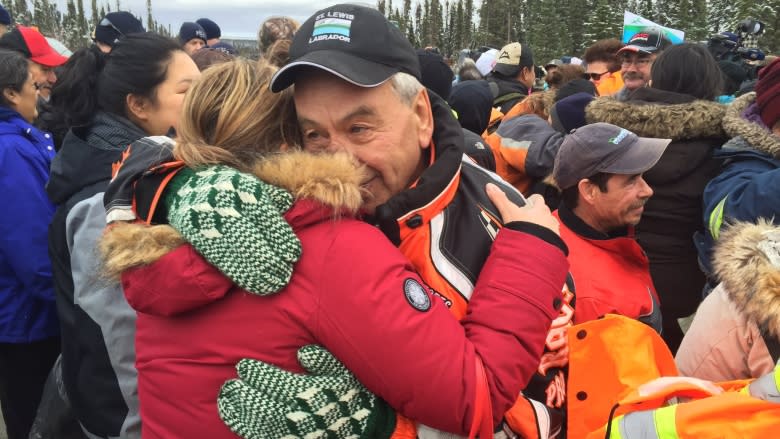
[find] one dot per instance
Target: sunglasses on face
(595, 76)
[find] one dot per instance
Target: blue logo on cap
(622, 135)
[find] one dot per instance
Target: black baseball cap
(646, 42)
(603, 147)
(355, 43)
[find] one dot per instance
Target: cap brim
(638, 49)
(638, 158)
(51, 59)
(355, 70)
(506, 69)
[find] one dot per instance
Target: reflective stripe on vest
(767, 387)
(648, 424)
(716, 218)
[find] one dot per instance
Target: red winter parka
(355, 294)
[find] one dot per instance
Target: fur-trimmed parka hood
(753, 134)
(747, 260)
(660, 114)
(332, 180)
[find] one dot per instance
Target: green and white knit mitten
(235, 221)
(268, 402)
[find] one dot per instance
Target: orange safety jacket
(744, 409)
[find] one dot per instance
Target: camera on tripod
(739, 46)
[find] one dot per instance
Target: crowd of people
(351, 238)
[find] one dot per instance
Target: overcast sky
(235, 17)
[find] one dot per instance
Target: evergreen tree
(95, 16)
(83, 26)
(21, 13)
(150, 24)
(70, 22)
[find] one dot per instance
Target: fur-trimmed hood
(659, 114)
(747, 260)
(332, 180)
(738, 127)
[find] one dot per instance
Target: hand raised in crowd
(534, 211)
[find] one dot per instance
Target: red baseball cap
(33, 45)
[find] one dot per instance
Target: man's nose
(646, 191)
(51, 77)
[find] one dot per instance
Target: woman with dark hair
(679, 105)
(135, 91)
(29, 332)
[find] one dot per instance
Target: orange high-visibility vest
(608, 358)
(745, 409)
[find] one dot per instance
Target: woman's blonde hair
(231, 117)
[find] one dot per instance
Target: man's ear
(422, 110)
(587, 191)
(138, 107)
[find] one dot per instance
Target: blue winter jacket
(746, 188)
(27, 308)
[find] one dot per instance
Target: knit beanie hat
(190, 30)
(569, 112)
(435, 73)
(115, 25)
(5, 17)
(473, 101)
(574, 87)
(235, 221)
(211, 28)
(768, 93)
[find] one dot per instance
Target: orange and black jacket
(445, 225)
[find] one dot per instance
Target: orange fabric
(415, 245)
(521, 418)
(611, 275)
(610, 84)
(608, 358)
(510, 162)
(405, 428)
(729, 414)
(522, 108)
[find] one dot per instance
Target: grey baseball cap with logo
(603, 147)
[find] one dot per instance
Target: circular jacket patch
(416, 295)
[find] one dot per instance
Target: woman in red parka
(263, 255)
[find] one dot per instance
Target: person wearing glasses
(114, 26)
(637, 59)
(29, 329)
(602, 66)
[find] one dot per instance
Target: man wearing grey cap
(599, 169)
